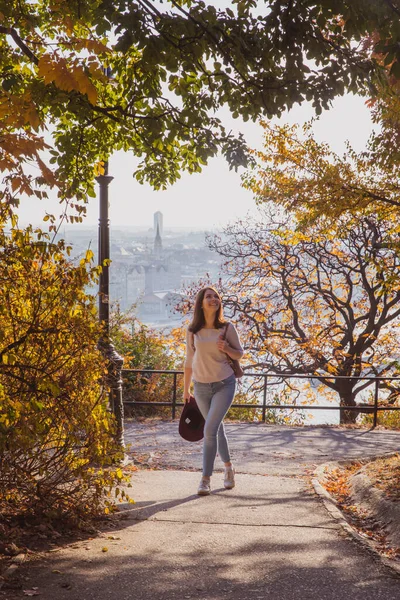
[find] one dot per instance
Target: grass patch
(385, 475)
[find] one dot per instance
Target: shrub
(56, 433)
(145, 348)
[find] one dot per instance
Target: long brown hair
(198, 320)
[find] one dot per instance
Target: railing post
(174, 398)
(264, 398)
(376, 403)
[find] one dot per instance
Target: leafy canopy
(307, 177)
(84, 78)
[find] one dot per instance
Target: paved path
(270, 537)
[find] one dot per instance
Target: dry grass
(385, 475)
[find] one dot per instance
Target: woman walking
(210, 342)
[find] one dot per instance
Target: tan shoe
(229, 479)
(204, 487)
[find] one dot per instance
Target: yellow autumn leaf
(16, 183)
(65, 76)
(84, 85)
(46, 68)
(96, 46)
(99, 168)
(32, 117)
(89, 255)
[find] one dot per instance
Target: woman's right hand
(187, 378)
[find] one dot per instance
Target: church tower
(158, 243)
(158, 221)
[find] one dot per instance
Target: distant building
(159, 306)
(158, 243)
(158, 222)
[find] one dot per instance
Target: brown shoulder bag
(234, 363)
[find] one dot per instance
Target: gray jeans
(214, 400)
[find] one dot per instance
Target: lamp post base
(114, 381)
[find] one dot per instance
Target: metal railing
(372, 408)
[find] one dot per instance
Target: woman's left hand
(223, 345)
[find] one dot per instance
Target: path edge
(332, 506)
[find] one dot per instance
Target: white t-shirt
(207, 362)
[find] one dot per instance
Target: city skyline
(148, 270)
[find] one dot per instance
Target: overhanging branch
(20, 43)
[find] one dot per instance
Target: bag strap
(225, 331)
(192, 338)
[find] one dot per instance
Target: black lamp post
(115, 361)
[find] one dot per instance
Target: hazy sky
(215, 196)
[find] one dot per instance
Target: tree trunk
(347, 398)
